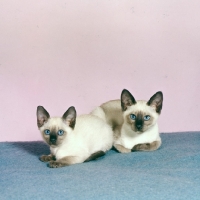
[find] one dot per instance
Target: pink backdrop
(83, 53)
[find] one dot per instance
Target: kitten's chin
(53, 145)
(139, 132)
(144, 129)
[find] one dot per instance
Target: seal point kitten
(73, 139)
(134, 123)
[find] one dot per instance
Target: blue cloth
(171, 173)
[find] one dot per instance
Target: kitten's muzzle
(139, 127)
(53, 139)
(139, 122)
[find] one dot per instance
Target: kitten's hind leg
(121, 148)
(95, 156)
(147, 146)
(47, 158)
(66, 161)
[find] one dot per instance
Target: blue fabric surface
(172, 172)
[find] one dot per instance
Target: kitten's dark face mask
(54, 136)
(140, 121)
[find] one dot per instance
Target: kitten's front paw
(147, 146)
(55, 164)
(141, 147)
(46, 158)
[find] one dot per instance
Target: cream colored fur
(91, 134)
(124, 135)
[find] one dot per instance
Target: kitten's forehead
(140, 107)
(54, 123)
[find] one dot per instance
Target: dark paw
(141, 147)
(55, 164)
(45, 158)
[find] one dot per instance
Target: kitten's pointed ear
(156, 101)
(127, 99)
(70, 116)
(42, 116)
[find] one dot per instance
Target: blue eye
(60, 132)
(147, 117)
(132, 116)
(47, 132)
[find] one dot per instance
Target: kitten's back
(92, 128)
(110, 112)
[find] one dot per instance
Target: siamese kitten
(73, 140)
(134, 123)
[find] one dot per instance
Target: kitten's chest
(69, 147)
(60, 152)
(148, 136)
(54, 150)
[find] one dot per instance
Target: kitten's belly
(146, 137)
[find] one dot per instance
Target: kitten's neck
(65, 143)
(53, 150)
(129, 132)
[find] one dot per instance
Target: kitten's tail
(99, 112)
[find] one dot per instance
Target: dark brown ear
(156, 100)
(70, 116)
(127, 99)
(42, 116)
